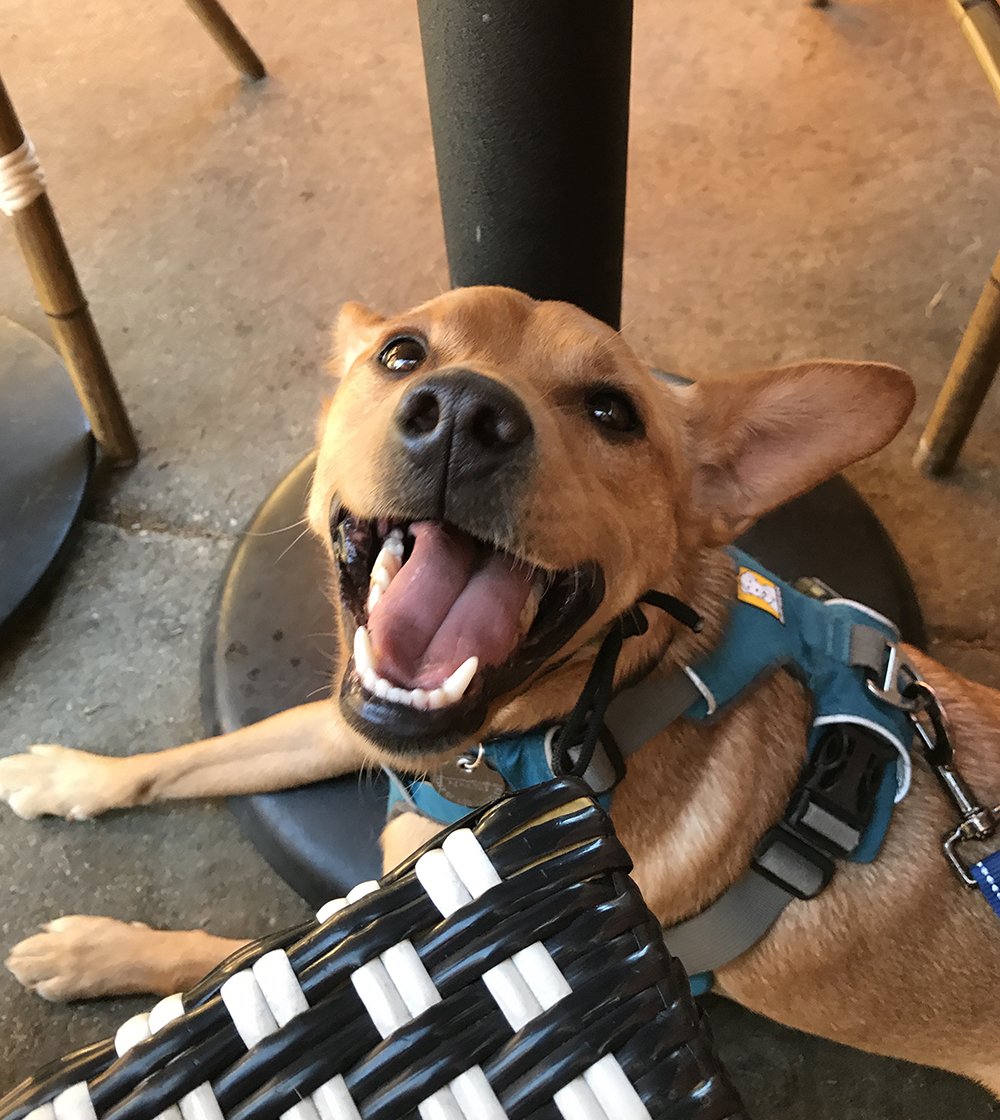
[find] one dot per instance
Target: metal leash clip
(976, 823)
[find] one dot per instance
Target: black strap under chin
(585, 722)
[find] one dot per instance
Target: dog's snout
(475, 421)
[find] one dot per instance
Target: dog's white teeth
(364, 655)
(386, 567)
(450, 692)
(436, 699)
(454, 687)
(382, 687)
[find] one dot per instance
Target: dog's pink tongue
(449, 602)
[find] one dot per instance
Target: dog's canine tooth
(364, 655)
(374, 594)
(454, 687)
(386, 567)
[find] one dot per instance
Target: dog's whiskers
(285, 551)
(275, 532)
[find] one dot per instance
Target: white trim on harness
(864, 610)
(904, 776)
(707, 695)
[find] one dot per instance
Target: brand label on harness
(758, 591)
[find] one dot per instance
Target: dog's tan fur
(895, 957)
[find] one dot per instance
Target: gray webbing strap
(868, 647)
(734, 923)
(641, 712)
(740, 917)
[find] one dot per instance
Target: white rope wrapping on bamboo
(22, 179)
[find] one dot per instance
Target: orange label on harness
(759, 591)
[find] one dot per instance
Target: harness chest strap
(837, 646)
(791, 862)
(743, 914)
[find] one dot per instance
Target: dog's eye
(403, 355)
(613, 412)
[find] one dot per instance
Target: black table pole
(529, 108)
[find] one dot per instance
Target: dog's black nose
(465, 422)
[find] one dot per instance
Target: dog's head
(499, 478)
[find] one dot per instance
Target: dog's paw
(77, 957)
(60, 782)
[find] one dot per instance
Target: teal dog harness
(856, 758)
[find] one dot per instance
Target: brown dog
(529, 457)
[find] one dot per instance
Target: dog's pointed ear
(353, 333)
(759, 439)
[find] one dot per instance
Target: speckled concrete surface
(802, 183)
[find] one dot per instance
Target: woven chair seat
(509, 969)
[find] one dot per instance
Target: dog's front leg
(83, 957)
(301, 745)
(86, 957)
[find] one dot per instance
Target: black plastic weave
(564, 883)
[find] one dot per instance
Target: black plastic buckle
(792, 863)
(830, 809)
(834, 801)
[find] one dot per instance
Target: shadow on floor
(786, 1075)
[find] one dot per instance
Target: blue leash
(987, 876)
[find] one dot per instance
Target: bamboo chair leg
(62, 299)
(220, 26)
(968, 381)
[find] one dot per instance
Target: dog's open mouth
(444, 623)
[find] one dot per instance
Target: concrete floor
(802, 183)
